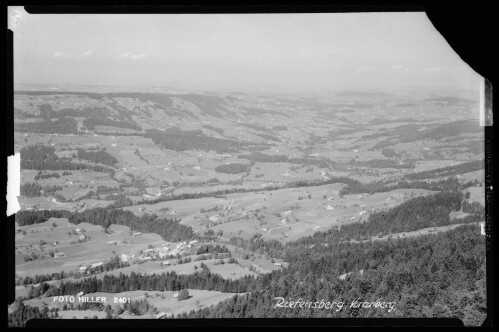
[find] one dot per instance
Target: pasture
(162, 301)
(93, 250)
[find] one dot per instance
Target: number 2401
(121, 300)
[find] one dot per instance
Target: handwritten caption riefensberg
(334, 305)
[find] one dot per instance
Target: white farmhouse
(59, 255)
(94, 265)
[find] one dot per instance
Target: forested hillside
(430, 276)
(168, 229)
(436, 275)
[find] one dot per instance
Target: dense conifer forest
(100, 157)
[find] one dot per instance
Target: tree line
(234, 168)
(179, 140)
(449, 184)
(168, 228)
(462, 168)
(42, 157)
(99, 157)
(90, 123)
(35, 190)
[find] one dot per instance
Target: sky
(372, 51)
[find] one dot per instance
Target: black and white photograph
(199, 166)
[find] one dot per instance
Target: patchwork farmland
(166, 192)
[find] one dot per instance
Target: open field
(477, 194)
(287, 214)
(93, 250)
(162, 301)
(227, 271)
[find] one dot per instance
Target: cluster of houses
(81, 233)
(84, 269)
(214, 218)
(168, 249)
(124, 257)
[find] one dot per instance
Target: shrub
(183, 295)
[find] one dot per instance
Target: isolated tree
(30, 292)
(117, 310)
(183, 295)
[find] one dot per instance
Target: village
(163, 253)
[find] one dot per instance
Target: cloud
(61, 55)
(87, 53)
(131, 56)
